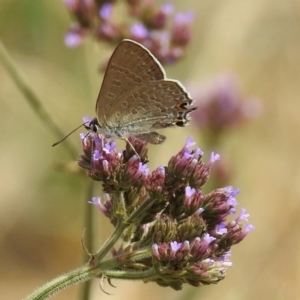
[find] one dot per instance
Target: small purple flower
(105, 166)
(155, 251)
(110, 146)
(187, 164)
(174, 248)
(135, 170)
(248, 228)
(221, 228)
(243, 215)
(181, 33)
(189, 143)
(155, 181)
(213, 158)
(184, 161)
(199, 211)
(219, 204)
(96, 155)
(167, 8)
(139, 31)
(142, 171)
(108, 31)
(75, 36)
(189, 192)
(201, 246)
(158, 19)
(106, 11)
(231, 193)
(87, 119)
(193, 201)
(97, 202)
(183, 18)
(104, 208)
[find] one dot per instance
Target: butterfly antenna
(69, 134)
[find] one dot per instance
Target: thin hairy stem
(30, 96)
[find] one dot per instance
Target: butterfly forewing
(129, 66)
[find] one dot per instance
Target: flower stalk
(62, 282)
(31, 97)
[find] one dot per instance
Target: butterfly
(136, 98)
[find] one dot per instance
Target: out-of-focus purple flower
(139, 31)
(160, 29)
(108, 31)
(221, 104)
(158, 19)
(184, 18)
(71, 4)
(181, 32)
(167, 8)
(106, 11)
(87, 119)
(74, 36)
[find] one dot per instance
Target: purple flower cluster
(221, 104)
(163, 31)
(173, 231)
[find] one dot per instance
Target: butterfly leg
(126, 140)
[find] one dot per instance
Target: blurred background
(42, 207)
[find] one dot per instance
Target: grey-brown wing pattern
(155, 105)
(129, 66)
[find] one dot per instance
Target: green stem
(137, 213)
(88, 237)
(79, 275)
(107, 270)
(120, 229)
(106, 247)
(85, 273)
(149, 275)
(33, 100)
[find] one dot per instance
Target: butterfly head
(93, 125)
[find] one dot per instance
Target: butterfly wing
(130, 66)
(156, 105)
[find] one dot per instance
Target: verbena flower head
(163, 31)
(173, 232)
